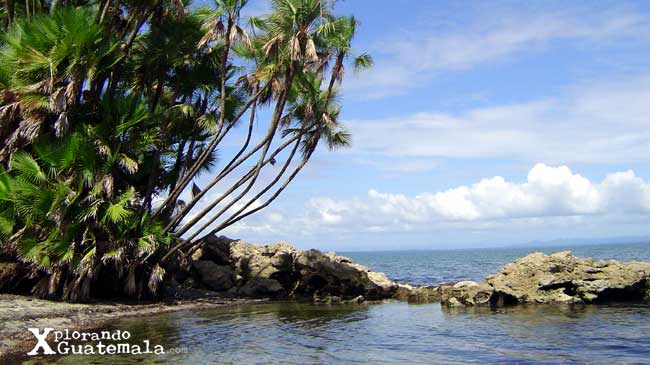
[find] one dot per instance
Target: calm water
(396, 332)
(435, 267)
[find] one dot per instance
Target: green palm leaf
(27, 168)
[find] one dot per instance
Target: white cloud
(599, 122)
(552, 202)
(548, 192)
(416, 55)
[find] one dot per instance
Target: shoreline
(18, 312)
(538, 278)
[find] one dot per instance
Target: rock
(261, 287)
(403, 291)
(217, 277)
(424, 294)
(557, 278)
(261, 261)
(280, 270)
(467, 293)
(329, 299)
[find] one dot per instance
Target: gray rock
(261, 287)
(217, 277)
(467, 293)
(557, 278)
(281, 270)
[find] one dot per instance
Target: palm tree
(107, 105)
(297, 35)
(46, 62)
(288, 45)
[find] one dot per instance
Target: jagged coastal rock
(278, 270)
(557, 278)
(281, 271)
(237, 269)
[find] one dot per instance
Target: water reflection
(393, 332)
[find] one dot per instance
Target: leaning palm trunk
(268, 202)
(264, 145)
(243, 193)
(180, 187)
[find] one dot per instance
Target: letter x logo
(42, 343)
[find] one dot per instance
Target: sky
(481, 124)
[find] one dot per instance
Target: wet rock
(556, 278)
(466, 293)
(418, 294)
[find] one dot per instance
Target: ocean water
(394, 332)
(435, 267)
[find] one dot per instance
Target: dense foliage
(111, 109)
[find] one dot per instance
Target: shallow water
(391, 333)
(397, 332)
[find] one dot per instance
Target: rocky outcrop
(238, 268)
(556, 278)
(281, 271)
(216, 277)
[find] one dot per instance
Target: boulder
(335, 275)
(261, 287)
(252, 260)
(424, 294)
(466, 293)
(556, 278)
(279, 270)
(216, 277)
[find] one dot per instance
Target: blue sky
(481, 124)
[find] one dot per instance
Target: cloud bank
(549, 194)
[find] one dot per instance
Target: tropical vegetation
(110, 111)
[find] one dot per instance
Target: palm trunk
(249, 134)
(106, 4)
(235, 187)
(251, 122)
(136, 30)
(178, 165)
(9, 4)
(222, 117)
(279, 109)
(335, 73)
(266, 189)
(269, 201)
(173, 195)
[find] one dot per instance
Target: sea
(394, 332)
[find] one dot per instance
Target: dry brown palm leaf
(311, 53)
(295, 48)
(271, 46)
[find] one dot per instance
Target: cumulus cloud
(548, 192)
(550, 202)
